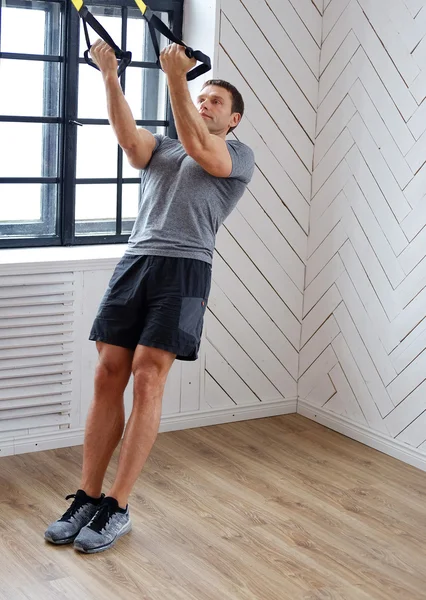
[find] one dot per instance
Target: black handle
(124, 60)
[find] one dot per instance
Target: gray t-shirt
(182, 205)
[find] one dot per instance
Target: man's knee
(150, 368)
(114, 363)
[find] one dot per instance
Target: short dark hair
(237, 99)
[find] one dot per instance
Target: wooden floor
(270, 509)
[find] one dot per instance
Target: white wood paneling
(335, 95)
(270, 52)
(369, 207)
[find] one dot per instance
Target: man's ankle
(122, 500)
(93, 493)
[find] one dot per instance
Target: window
(63, 178)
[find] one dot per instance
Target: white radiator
(36, 353)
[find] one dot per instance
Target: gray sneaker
(109, 523)
(65, 529)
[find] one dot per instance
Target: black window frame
(67, 124)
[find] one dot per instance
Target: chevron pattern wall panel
(364, 327)
(270, 51)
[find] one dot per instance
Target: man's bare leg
(105, 421)
(150, 368)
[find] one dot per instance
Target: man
(153, 309)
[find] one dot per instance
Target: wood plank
(322, 365)
(374, 233)
(381, 172)
(331, 160)
(329, 134)
(298, 31)
(388, 36)
(255, 348)
(363, 360)
(275, 173)
(358, 385)
(265, 261)
(376, 199)
(270, 114)
(240, 361)
(271, 64)
(366, 329)
(377, 125)
(368, 296)
(265, 228)
(224, 375)
(382, 100)
(251, 277)
(276, 209)
(322, 282)
(285, 48)
(255, 314)
(324, 253)
(293, 508)
(337, 64)
(318, 343)
(348, 402)
(329, 191)
(407, 411)
(320, 313)
(323, 226)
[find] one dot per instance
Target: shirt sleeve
(159, 137)
(242, 160)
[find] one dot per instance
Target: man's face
(214, 104)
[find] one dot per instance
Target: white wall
(249, 357)
(362, 362)
(270, 52)
(362, 297)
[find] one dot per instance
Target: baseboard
(75, 437)
(43, 441)
(373, 439)
(228, 415)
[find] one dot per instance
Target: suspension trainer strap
(124, 58)
(155, 23)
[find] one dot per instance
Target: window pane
(129, 171)
(136, 31)
(110, 19)
(34, 29)
(20, 202)
(130, 204)
(95, 208)
(96, 151)
(91, 94)
(28, 150)
(26, 203)
(146, 93)
(138, 36)
(43, 101)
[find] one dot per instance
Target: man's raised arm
(137, 143)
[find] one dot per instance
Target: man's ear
(235, 119)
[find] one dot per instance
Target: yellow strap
(78, 4)
(142, 6)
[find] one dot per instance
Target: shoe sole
(126, 528)
(60, 542)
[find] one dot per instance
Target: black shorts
(155, 301)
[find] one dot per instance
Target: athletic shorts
(155, 301)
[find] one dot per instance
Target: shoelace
(75, 506)
(101, 518)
